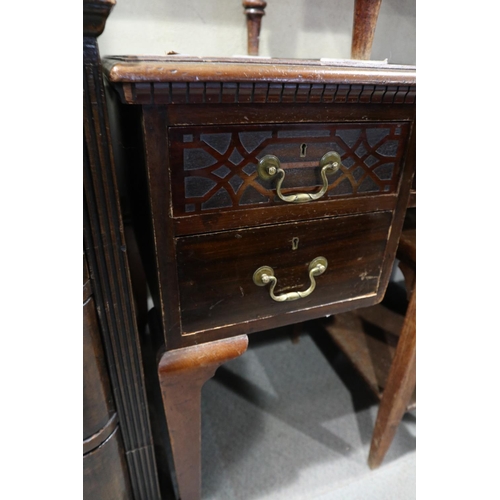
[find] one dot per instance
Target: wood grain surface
(105, 472)
(215, 270)
(182, 374)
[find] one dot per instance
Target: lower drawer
(216, 271)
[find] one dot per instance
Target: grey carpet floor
(294, 421)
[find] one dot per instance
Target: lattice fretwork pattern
(215, 167)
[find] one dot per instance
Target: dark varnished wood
(219, 164)
(407, 249)
(106, 251)
(86, 273)
(147, 70)
(163, 170)
(214, 221)
(412, 202)
(137, 278)
(382, 317)
(87, 285)
(182, 373)
(98, 405)
(87, 290)
(297, 316)
(399, 389)
(95, 440)
(365, 21)
(240, 92)
(400, 211)
(220, 114)
(254, 10)
(95, 14)
(161, 266)
(102, 445)
(215, 271)
(200, 253)
(105, 473)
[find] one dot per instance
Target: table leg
(365, 22)
(182, 374)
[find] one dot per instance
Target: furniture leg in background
(365, 22)
(401, 381)
(254, 10)
(182, 374)
(369, 338)
(398, 391)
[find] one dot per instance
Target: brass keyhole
(303, 149)
(295, 243)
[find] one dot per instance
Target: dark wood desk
(264, 194)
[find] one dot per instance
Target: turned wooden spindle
(254, 10)
(365, 22)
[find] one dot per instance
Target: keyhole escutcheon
(303, 149)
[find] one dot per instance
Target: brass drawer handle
(269, 167)
(265, 275)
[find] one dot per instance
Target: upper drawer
(214, 170)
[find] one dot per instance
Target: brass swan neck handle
(265, 275)
(269, 167)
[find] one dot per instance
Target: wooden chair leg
(399, 388)
(182, 373)
(365, 22)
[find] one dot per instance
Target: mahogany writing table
(265, 193)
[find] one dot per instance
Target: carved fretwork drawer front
(215, 168)
(270, 192)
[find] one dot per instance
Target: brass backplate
(265, 164)
(318, 260)
(257, 275)
(331, 157)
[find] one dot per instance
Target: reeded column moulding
(110, 282)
